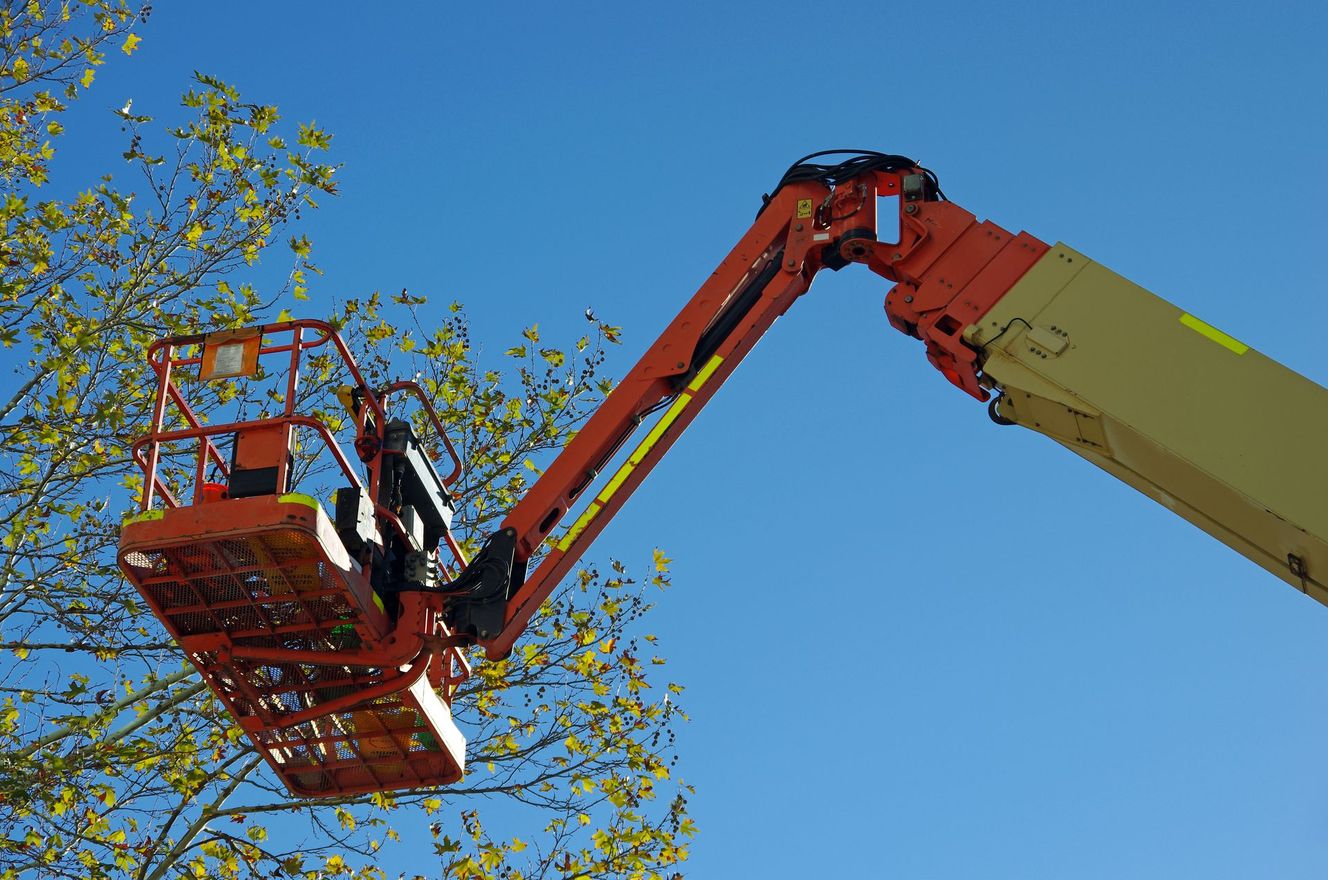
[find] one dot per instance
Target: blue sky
(915, 645)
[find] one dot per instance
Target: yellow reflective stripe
(378, 601)
(627, 468)
(639, 454)
(300, 498)
(704, 374)
(580, 525)
(1222, 339)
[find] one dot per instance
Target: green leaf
(313, 137)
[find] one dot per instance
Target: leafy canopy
(115, 761)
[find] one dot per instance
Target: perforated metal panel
(388, 743)
(282, 582)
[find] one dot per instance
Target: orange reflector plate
(230, 354)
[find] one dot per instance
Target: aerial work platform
(341, 676)
(335, 640)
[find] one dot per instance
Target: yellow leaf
(194, 234)
(131, 43)
(661, 561)
(87, 77)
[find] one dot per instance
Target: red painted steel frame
(241, 582)
(949, 269)
(161, 357)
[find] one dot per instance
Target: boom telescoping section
(948, 268)
(1186, 414)
(336, 642)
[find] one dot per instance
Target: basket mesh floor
(277, 588)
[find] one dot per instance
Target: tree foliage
(115, 761)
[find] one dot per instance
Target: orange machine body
(340, 667)
(948, 268)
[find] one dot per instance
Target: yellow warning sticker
(300, 498)
(804, 208)
(1222, 339)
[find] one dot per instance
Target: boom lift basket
(342, 680)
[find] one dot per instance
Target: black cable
(1008, 325)
(994, 414)
(659, 406)
(594, 472)
(995, 401)
(860, 162)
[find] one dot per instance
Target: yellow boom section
(1195, 419)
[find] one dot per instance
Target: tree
(115, 761)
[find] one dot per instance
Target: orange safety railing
(342, 687)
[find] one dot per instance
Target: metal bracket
(1297, 566)
(1047, 342)
(914, 187)
(477, 599)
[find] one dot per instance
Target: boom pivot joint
(478, 597)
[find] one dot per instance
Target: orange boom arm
(949, 269)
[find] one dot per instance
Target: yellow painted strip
(145, 516)
(378, 601)
(1222, 339)
(607, 493)
(300, 498)
(670, 416)
(639, 454)
(579, 526)
(710, 367)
